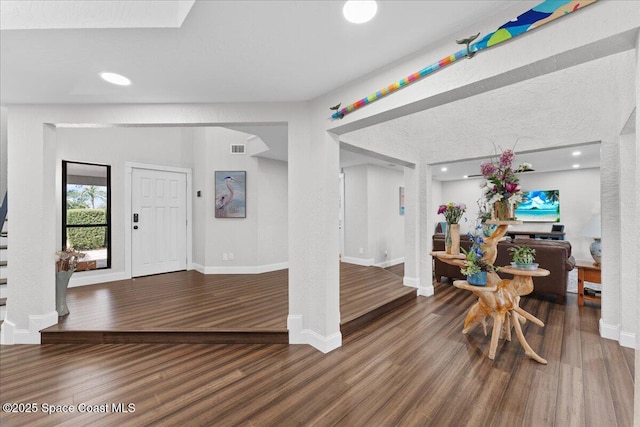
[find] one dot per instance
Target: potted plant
(476, 267)
(502, 188)
(523, 257)
(452, 213)
(66, 262)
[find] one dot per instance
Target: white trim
(12, 335)
(241, 269)
(385, 264)
(413, 282)
(628, 339)
(426, 291)
(611, 332)
(294, 325)
(359, 261)
(298, 335)
(94, 277)
(128, 170)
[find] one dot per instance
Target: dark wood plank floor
(411, 367)
(189, 306)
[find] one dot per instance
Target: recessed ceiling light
(359, 11)
(443, 169)
(576, 153)
(576, 166)
(115, 79)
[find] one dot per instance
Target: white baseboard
(628, 339)
(358, 261)
(12, 335)
(298, 335)
(426, 291)
(413, 282)
(611, 332)
(84, 278)
(240, 269)
(390, 263)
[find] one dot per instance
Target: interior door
(159, 222)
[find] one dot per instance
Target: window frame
(65, 226)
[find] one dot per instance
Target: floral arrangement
(67, 260)
(452, 212)
(502, 180)
(475, 264)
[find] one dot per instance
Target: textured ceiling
(227, 51)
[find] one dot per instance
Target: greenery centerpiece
(502, 186)
(452, 213)
(523, 257)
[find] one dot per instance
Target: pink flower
(487, 169)
(512, 188)
(442, 209)
(506, 158)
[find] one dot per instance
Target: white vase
(62, 281)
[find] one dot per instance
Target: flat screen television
(539, 206)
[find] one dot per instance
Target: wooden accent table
(500, 299)
(587, 272)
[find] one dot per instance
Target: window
(86, 213)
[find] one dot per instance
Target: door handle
(135, 227)
(135, 217)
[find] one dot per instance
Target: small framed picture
(401, 200)
(231, 194)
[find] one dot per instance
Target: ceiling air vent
(238, 149)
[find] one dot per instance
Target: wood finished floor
(412, 367)
(171, 304)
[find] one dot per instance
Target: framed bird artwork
(231, 194)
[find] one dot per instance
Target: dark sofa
(552, 255)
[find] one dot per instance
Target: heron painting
(231, 195)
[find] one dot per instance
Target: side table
(587, 272)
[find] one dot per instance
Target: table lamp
(592, 229)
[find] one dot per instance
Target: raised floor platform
(190, 307)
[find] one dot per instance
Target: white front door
(159, 222)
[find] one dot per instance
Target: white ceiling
(253, 51)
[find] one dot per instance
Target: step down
(234, 336)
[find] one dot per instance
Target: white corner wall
(3, 151)
(254, 244)
(374, 228)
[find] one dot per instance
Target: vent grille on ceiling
(238, 149)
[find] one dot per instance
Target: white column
(411, 228)
(611, 238)
(31, 285)
(314, 270)
(636, 253)
(426, 230)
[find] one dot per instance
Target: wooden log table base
(500, 299)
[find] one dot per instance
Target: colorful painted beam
(537, 16)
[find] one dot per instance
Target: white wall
(372, 217)
(386, 225)
(3, 151)
(579, 200)
(258, 242)
(356, 213)
(167, 146)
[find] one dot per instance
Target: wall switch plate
(361, 251)
(225, 257)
